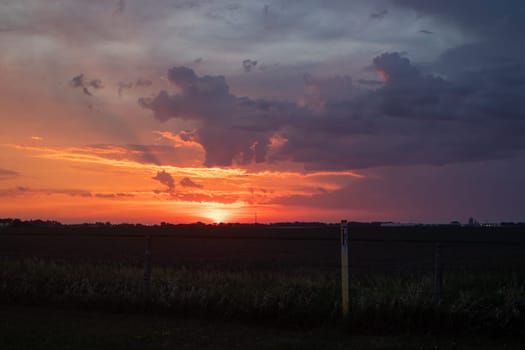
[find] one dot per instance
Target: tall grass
(481, 302)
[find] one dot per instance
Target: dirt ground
(26, 327)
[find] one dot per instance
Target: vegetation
(388, 303)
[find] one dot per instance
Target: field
(268, 278)
(372, 248)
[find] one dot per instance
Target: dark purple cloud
(187, 182)
(166, 179)
(379, 15)
(465, 106)
(95, 84)
(139, 83)
(415, 118)
(248, 65)
(80, 81)
(232, 128)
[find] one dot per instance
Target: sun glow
(218, 215)
(117, 183)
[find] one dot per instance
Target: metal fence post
(147, 265)
(345, 277)
(438, 274)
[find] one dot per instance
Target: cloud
(370, 82)
(9, 192)
(139, 83)
(6, 174)
(414, 117)
(21, 190)
(319, 92)
(247, 65)
(395, 68)
(80, 81)
(95, 84)
(176, 153)
(231, 127)
(166, 179)
(379, 15)
(183, 153)
(143, 82)
(114, 195)
(424, 31)
(124, 86)
(490, 18)
(187, 182)
(139, 153)
(207, 197)
(77, 81)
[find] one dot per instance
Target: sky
(280, 110)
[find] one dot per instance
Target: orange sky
(110, 183)
(185, 111)
(81, 183)
(75, 158)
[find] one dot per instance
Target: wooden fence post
(345, 276)
(147, 265)
(438, 274)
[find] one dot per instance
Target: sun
(218, 215)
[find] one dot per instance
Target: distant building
(473, 222)
(5, 222)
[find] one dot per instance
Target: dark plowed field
(371, 248)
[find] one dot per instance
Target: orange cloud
(105, 175)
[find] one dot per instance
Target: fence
(361, 250)
(439, 245)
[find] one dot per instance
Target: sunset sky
(277, 110)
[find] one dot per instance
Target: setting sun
(218, 215)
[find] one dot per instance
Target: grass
(391, 304)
